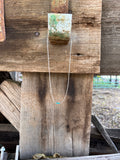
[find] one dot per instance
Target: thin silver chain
(68, 81)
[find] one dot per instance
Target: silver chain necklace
(68, 81)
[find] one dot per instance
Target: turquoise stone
(57, 102)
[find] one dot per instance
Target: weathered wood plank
(9, 110)
(63, 128)
(10, 102)
(110, 60)
(35, 134)
(13, 92)
(37, 12)
(25, 47)
(59, 6)
(3, 76)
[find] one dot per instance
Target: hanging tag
(59, 28)
(59, 6)
(2, 23)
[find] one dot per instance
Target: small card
(2, 23)
(59, 28)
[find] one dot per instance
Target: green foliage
(106, 82)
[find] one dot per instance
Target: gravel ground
(106, 106)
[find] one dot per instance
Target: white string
(68, 81)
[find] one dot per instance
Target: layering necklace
(68, 81)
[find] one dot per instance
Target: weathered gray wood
(103, 132)
(25, 47)
(49, 128)
(12, 90)
(61, 6)
(9, 110)
(3, 76)
(110, 60)
(10, 102)
(101, 157)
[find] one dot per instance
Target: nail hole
(68, 127)
(37, 34)
(78, 54)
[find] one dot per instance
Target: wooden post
(49, 128)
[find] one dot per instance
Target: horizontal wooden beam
(23, 54)
(30, 14)
(25, 48)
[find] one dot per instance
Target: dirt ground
(106, 106)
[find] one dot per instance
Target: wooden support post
(49, 128)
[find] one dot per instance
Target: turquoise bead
(57, 102)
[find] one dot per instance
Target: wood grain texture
(110, 60)
(2, 22)
(25, 47)
(9, 110)
(59, 6)
(50, 128)
(10, 102)
(13, 91)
